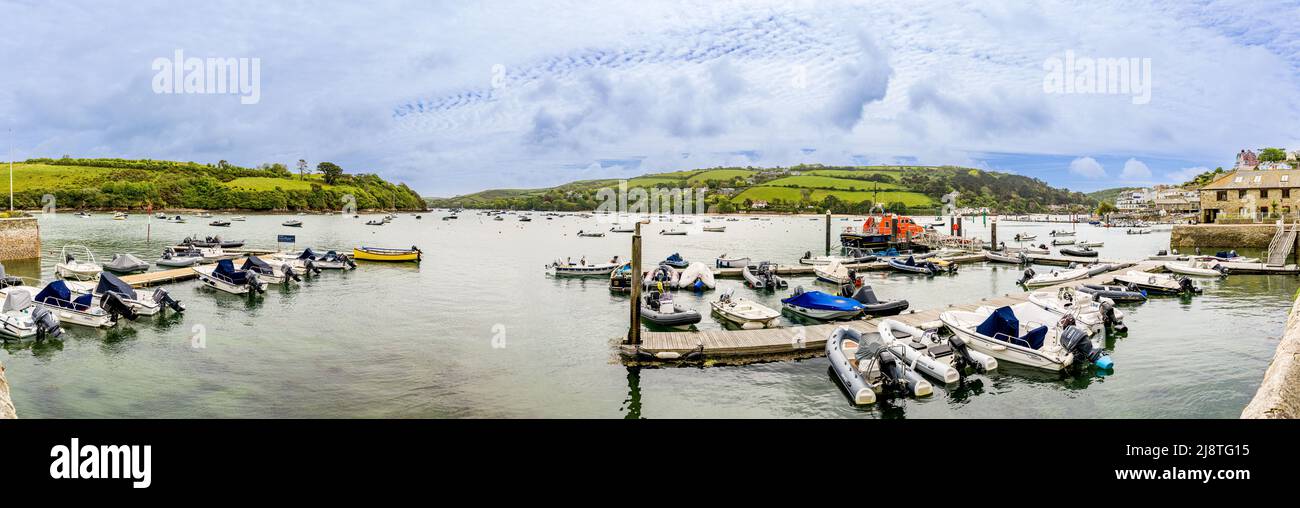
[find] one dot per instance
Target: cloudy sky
(456, 97)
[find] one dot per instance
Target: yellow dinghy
(382, 254)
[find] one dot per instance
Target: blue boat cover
(1003, 321)
(226, 271)
(890, 252)
(55, 294)
(109, 283)
(83, 302)
(911, 261)
(307, 254)
(256, 264)
(822, 301)
(675, 258)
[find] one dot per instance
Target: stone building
(1252, 195)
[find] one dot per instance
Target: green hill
(136, 184)
(852, 189)
(1109, 195)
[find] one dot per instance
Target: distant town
(1258, 188)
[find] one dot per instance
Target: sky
(457, 97)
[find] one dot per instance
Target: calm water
(407, 341)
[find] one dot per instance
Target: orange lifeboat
(883, 224)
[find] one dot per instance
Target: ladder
(1283, 241)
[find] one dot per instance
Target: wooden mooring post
(828, 231)
(993, 232)
(634, 326)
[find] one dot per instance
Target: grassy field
(826, 182)
(721, 174)
(856, 172)
(763, 193)
(45, 176)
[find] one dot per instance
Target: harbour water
(479, 330)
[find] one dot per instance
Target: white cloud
(1087, 167)
(1135, 170)
(1185, 174)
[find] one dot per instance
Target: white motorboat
(823, 306)
(1018, 258)
(1092, 313)
(590, 234)
(944, 360)
(1024, 334)
(1158, 282)
(212, 254)
(835, 273)
(1198, 268)
(1067, 241)
(618, 229)
(78, 269)
(1041, 249)
(581, 269)
(275, 271)
(1168, 256)
(1060, 233)
(866, 366)
(1025, 238)
(745, 313)
(21, 318)
(715, 229)
(1085, 243)
(224, 277)
(725, 262)
(1230, 256)
(672, 232)
(140, 302)
(84, 310)
(1033, 280)
(696, 276)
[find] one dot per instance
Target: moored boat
(141, 302)
(224, 277)
(1079, 252)
(943, 359)
(580, 269)
(819, 305)
(696, 276)
(21, 318)
(391, 255)
(81, 310)
(73, 269)
(725, 262)
(871, 305)
(1198, 268)
(1032, 279)
(1158, 283)
(126, 263)
(763, 276)
(745, 313)
(866, 366)
(292, 223)
(1021, 334)
(658, 308)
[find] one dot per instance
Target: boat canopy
(822, 301)
(109, 283)
(256, 264)
(126, 262)
(675, 258)
(1004, 322)
(226, 270)
(57, 294)
(17, 300)
(307, 254)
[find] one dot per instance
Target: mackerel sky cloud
(454, 97)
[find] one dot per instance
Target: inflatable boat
(865, 366)
(657, 308)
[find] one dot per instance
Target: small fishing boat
(819, 305)
(836, 273)
(1092, 313)
(715, 229)
(1021, 334)
(220, 223)
(855, 258)
(175, 220)
(672, 232)
(580, 269)
(725, 262)
(620, 280)
(1025, 238)
(1056, 233)
(224, 277)
(331, 260)
(292, 223)
(676, 261)
(592, 234)
(525, 218)
(1158, 283)
(1067, 241)
(1164, 255)
(140, 302)
(173, 259)
(1040, 249)
(73, 269)
(1141, 231)
(622, 229)
(83, 214)
(119, 215)
(125, 264)
(943, 359)
(81, 310)
(696, 276)
(870, 304)
(1198, 268)
(1018, 258)
(664, 277)
(375, 222)
(1229, 256)
(745, 313)
(866, 367)
(912, 266)
(280, 273)
(763, 276)
(387, 254)
(1119, 294)
(1080, 252)
(21, 318)
(1033, 280)
(657, 308)
(238, 218)
(212, 241)
(1085, 243)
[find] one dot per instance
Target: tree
(331, 171)
(1272, 155)
(302, 169)
(1105, 208)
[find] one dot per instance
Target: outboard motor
(161, 296)
(1075, 340)
(255, 284)
(895, 376)
(1028, 274)
(1220, 268)
(289, 273)
(116, 307)
(347, 260)
(1185, 285)
(46, 324)
(1108, 315)
(310, 267)
(962, 357)
(68, 258)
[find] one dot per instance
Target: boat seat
(1036, 337)
(940, 350)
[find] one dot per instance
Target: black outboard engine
(68, 258)
(113, 303)
(961, 356)
(347, 260)
(1186, 285)
(1028, 274)
(310, 267)
(255, 284)
(46, 324)
(1075, 340)
(1220, 268)
(289, 273)
(1108, 316)
(164, 298)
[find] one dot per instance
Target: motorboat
(867, 367)
(1139, 231)
(279, 273)
(1092, 313)
(836, 273)
(387, 254)
(676, 261)
(1032, 279)
(239, 218)
(292, 223)
(81, 310)
(212, 254)
(126, 263)
(83, 214)
(1018, 258)
(224, 277)
(620, 280)
(220, 223)
(1041, 249)
(141, 302)
(696, 276)
(622, 229)
(331, 260)
(1229, 256)
(763, 276)
(943, 359)
(1118, 294)
(204, 215)
(179, 259)
(715, 229)
(745, 313)
(1066, 241)
(663, 277)
(1025, 334)
(1164, 255)
(175, 220)
(657, 308)
(525, 218)
(1085, 243)
(1025, 238)
(725, 262)
(212, 241)
(591, 234)
(855, 258)
(21, 318)
(1158, 283)
(672, 232)
(923, 267)
(580, 269)
(73, 269)
(819, 305)
(376, 222)
(119, 215)
(870, 304)
(1198, 268)
(1079, 252)
(1055, 233)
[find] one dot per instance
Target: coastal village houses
(1254, 191)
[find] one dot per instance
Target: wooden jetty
(148, 279)
(738, 347)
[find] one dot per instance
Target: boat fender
(667, 355)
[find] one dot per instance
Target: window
(1286, 193)
(1221, 195)
(1286, 178)
(1237, 180)
(1241, 194)
(1258, 178)
(1263, 193)
(1286, 210)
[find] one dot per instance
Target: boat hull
(1006, 352)
(386, 256)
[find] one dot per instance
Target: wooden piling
(634, 326)
(993, 232)
(828, 231)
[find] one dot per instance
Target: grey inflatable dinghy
(872, 305)
(658, 309)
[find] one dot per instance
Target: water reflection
(631, 407)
